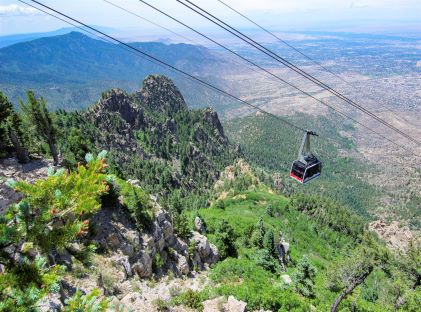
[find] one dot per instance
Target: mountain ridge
(63, 66)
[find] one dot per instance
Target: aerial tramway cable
(270, 73)
(179, 35)
(324, 68)
(288, 64)
(157, 60)
(173, 68)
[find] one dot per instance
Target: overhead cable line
(310, 58)
(275, 76)
(149, 56)
(291, 66)
(175, 33)
(196, 79)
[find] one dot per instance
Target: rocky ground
(396, 237)
(11, 169)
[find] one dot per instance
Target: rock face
(204, 252)
(283, 252)
(198, 225)
(232, 172)
(160, 94)
(156, 250)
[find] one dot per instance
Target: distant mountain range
(71, 70)
(13, 39)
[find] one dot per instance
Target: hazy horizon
(366, 16)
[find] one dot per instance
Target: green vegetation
(11, 132)
(225, 240)
(54, 213)
(304, 277)
(330, 252)
(40, 120)
(190, 298)
(87, 303)
(268, 144)
(137, 202)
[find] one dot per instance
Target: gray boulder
(143, 266)
(198, 225)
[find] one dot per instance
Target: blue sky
(386, 16)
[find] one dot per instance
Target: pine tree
(269, 210)
(5, 111)
(10, 129)
(225, 240)
(269, 242)
(259, 234)
(41, 119)
(304, 277)
(53, 213)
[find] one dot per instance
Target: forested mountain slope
(152, 136)
(72, 70)
(346, 175)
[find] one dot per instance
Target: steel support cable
(177, 34)
(164, 64)
(291, 66)
(310, 59)
(277, 77)
(199, 80)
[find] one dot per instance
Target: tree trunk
(350, 289)
(54, 152)
(21, 152)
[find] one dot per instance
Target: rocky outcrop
(232, 172)
(212, 118)
(118, 101)
(395, 236)
(153, 251)
(222, 304)
(286, 279)
(155, 126)
(159, 94)
(198, 225)
(283, 252)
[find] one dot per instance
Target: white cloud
(17, 10)
(358, 5)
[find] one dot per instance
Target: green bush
(190, 298)
(329, 213)
(269, 243)
(264, 259)
(161, 305)
(258, 234)
(137, 202)
(304, 277)
(225, 240)
(87, 303)
(53, 213)
(182, 225)
(246, 281)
